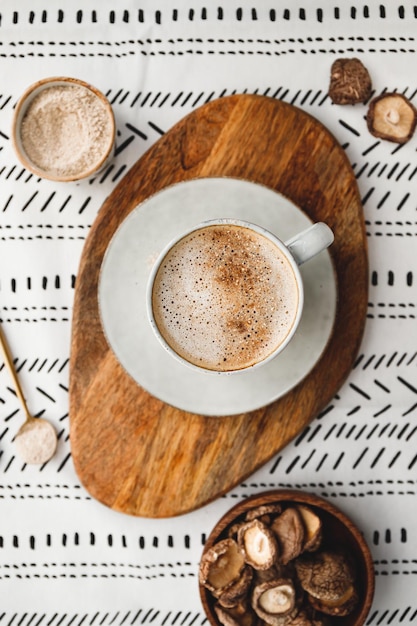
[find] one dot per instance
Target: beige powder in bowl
(66, 131)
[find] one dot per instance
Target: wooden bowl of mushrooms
(286, 558)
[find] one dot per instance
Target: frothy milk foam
(225, 297)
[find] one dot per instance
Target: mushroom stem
(273, 600)
(393, 117)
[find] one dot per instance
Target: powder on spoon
(66, 130)
(36, 441)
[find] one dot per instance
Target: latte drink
(225, 297)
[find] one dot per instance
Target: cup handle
(310, 242)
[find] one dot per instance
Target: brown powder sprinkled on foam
(225, 298)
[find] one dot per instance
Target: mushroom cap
(313, 527)
(234, 593)
(392, 116)
(259, 544)
(240, 615)
(221, 565)
(289, 530)
(341, 607)
(306, 617)
(350, 82)
(325, 575)
(275, 601)
(264, 511)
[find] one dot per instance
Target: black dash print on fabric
(76, 538)
(45, 491)
(7, 100)
(119, 173)
(408, 384)
(391, 228)
(84, 205)
(137, 131)
(210, 46)
(390, 278)
(210, 12)
(383, 200)
(47, 232)
(359, 391)
(123, 145)
(46, 395)
(343, 489)
(31, 318)
(46, 283)
(386, 435)
(350, 128)
(106, 173)
(102, 569)
(391, 310)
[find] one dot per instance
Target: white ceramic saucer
(122, 297)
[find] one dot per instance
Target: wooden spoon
(36, 440)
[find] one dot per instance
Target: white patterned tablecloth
(64, 558)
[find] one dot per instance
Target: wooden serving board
(131, 451)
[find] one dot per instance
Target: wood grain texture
(140, 456)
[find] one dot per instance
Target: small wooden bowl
(21, 109)
(338, 532)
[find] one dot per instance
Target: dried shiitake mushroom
(258, 543)
(393, 117)
(240, 615)
(350, 82)
(341, 607)
(275, 568)
(307, 617)
(312, 527)
(328, 578)
(263, 512)
(289, 530)
(221, 566)
(237, 591)
(274, 600)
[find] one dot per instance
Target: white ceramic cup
(294, 252)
